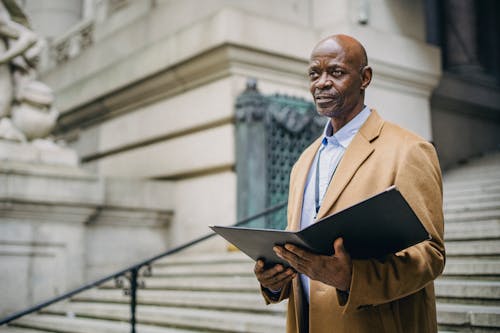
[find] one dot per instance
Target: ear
(366, 77)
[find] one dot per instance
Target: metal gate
(272, 132)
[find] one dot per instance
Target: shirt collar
(344, 136)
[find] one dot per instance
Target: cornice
(219, 62)
(219, 46)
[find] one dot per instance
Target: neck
(343, 118)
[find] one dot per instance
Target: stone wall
(61, 226)
(154, 93)
(146, 91)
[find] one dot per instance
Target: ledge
(216, 46)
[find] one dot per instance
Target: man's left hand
(334, 270)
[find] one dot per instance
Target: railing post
(133, 297)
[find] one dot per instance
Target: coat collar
(358, 151)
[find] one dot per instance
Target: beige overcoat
(396, 294)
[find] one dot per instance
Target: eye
(313, 75)
(336, 72)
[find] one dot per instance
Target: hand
(274, 278)
(334, 270)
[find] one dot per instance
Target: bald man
(358, 155)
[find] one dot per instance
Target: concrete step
(196, 258)
(470, 191)
(461, 176)
(466, 288)
(479, 198)
(224, 283)
(485, 204)
(236, 301)
(471, 248)
(10, 329)
(472, 267)
(226, 321)
(483, 169)
(472, 216)
(468, 315)
(477, 230)
(472, 182)
(69, 324)
(205, 269)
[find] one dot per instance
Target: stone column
(461, 43)
(251, 107)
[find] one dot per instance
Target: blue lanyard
(316, 189)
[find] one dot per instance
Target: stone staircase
(469, 290)
(185, 294)
(218, 292)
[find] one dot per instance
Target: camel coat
(395, 294)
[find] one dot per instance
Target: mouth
(324, 97)
(325, 100)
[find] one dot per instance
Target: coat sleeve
(270, 298)
(374, 282)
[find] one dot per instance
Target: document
(380, 225)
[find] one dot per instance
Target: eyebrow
(331, 66)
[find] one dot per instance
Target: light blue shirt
(329, 154)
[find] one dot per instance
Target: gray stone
(47, 153)
(59, 218)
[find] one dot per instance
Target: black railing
(132, 274)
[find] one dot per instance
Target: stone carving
(251, 104)
(26, 105)
(294, 114)
(70, 44)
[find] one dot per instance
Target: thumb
(338, 247)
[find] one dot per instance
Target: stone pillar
(461, 43)
(53, 18)
(251, 106)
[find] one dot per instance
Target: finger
(270, 273)
(279, 285)
(282, 252)
(292, 259)
(259, 266)
(279, 280)
(292, 252)
(299, 252)
(339, 249)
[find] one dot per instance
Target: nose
(323, 81)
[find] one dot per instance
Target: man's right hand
(274, 278)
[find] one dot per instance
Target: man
(358, 156)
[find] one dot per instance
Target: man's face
(335, 79)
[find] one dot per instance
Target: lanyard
(317, 200)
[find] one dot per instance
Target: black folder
(373, 228)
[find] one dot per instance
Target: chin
(330, 113)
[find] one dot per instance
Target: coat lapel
(299, 183)
(357, 152)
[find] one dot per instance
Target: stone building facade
(147, 89)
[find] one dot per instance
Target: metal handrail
(134, 273)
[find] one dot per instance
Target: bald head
(353, 48)
(339, 75)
